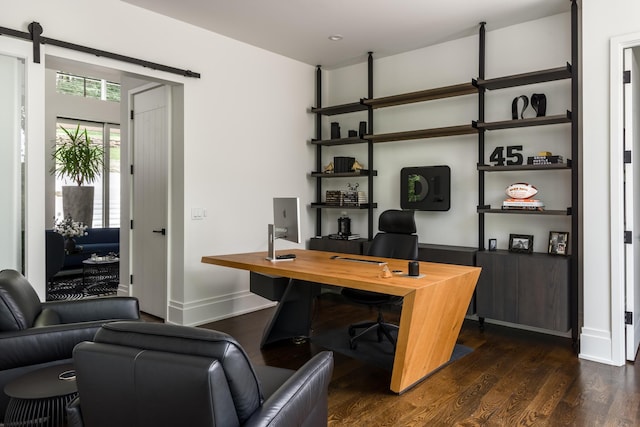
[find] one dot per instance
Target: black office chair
(396, 239)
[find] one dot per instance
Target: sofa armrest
(302, 399)
(43, 344)
(94, 309)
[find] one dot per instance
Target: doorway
(151, 170)
(129, 84)
(625, 206)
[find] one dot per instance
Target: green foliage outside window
(86, 87)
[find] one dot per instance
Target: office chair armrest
(303, 397)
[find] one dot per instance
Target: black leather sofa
(36, 334)
(155, 375)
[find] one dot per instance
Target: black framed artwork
(558, 242)
(425, 188)
(522, 243)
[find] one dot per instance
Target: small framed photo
(522, 243)
(558, 242)
(493, 244)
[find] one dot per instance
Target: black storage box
(343, 164)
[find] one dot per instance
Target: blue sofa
(99, 241)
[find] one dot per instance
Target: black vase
(69, 245)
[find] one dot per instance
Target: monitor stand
(271, 242)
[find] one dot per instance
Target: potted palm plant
(80, 161)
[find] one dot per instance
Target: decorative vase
(69, 245)
(77, 203)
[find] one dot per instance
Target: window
(106, 202)
(87, 87)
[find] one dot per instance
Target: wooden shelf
(362, 173)
(339, 141)
(549, 75)
(524, 211)
(423, 133)
(561, 166)
(422, 95)
(519, 123)
(340, 109)
(325, 206)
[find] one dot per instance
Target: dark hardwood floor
(512, 377)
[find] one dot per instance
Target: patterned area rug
(369, 350)
(72, 288)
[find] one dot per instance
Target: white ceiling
(299, 29)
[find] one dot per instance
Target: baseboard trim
(209, 310)
(596, 345)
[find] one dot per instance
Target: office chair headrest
(397, 221)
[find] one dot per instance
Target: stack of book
(544, 160)
(334, 198)
(345, 198)
(350, 198)
(525, 204)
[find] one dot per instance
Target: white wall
(531, 46)
(245, 132)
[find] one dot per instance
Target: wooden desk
(433, 309)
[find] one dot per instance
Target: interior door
(631, 208)
(150, 159)
(12, 72)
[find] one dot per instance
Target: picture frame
(558, 243)
(493, 244)
(521, 243)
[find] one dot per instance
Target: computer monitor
(286, 224)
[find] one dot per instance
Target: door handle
(162, 231)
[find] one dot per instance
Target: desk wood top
(319, 266)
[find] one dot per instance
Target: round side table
(40, 397)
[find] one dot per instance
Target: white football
(521, 190)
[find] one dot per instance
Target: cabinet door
(527, 289)
(497, 289)
(543, 291)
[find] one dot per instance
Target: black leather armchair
(34, 335)
(154, 375)
(396, 239)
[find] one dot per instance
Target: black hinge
(131, 169)
(131, 114)
(131, 225)
(627, 237)
(627, 156)
(626, 77)
(628, 318)
(131, 279)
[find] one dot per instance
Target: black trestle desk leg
(292, 319)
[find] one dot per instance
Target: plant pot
(77, 202)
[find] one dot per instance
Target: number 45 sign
(513, 157)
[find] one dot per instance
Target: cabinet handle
(162, 231)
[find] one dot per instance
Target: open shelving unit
(319, 142)
(493, 289)
(561, 272)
